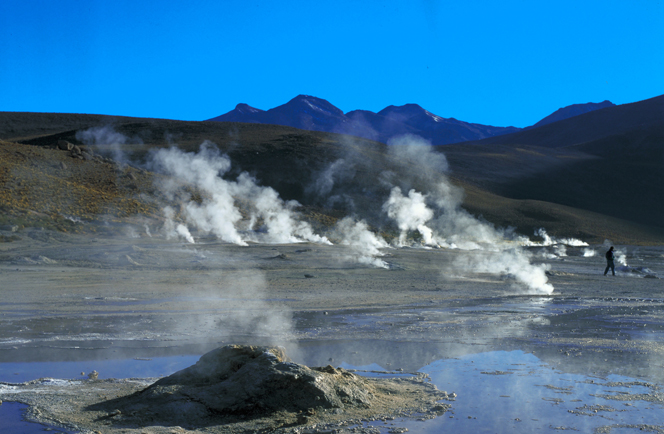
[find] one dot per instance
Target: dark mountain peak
(241, 113)
(246, 109)
(573, 110)
(410, 114)
(308, 102)
(406, 109)
(360, 112)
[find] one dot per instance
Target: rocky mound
(247, 379)
(260, 388)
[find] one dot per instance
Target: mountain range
(316, 114)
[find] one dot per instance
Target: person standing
(609, 262)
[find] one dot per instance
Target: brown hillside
(36, 186)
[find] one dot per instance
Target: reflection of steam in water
(496, 391)
(516, 392)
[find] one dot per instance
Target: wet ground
(587, 357)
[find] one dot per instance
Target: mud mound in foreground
(251, 387)
(246, 379)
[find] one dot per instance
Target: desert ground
(165, 277)
(587, 357)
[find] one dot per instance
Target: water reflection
(11, 421)
(515, 392)
(119, 368)
(497, 392)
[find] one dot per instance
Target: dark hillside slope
(625, 180)
(571, 111)
(26, 125)
(610, 161)
(590, 126)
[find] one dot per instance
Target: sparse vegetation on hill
(48, 188)
(44, 186)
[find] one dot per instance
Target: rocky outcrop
(239, 379)
(64, 145)
(241, 383)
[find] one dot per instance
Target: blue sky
(490, 62)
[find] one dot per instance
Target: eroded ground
(587, 357)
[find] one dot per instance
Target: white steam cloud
(107, 141)
(410, 213)
(588, 253)
(548, 240)
(437, 215)
(363, 243)
(267, 218)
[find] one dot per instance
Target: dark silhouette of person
(609, 262)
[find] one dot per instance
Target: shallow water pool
(497, 391)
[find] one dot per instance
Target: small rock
(65, 145)
(309, 276)
(93, 375)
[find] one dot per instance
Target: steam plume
(107, 141)
(410, 213)
(268, 218)
(363, 243)
(548, 240)
(438, 216)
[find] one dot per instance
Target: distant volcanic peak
(314, 103)
(406, 109)
(352, 113)
(416, 116)
(241, 113)
(247, 109)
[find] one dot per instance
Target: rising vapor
(264, 216)
(437, 215)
